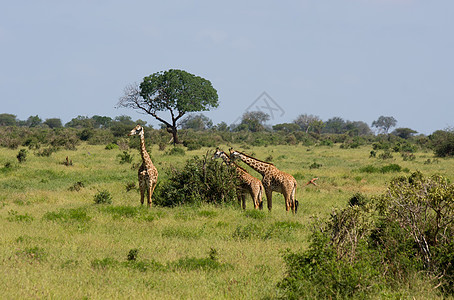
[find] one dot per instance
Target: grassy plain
(56, 243)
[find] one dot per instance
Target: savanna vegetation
(378, 225)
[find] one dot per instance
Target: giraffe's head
(234, 155)
(221, 154)
(137, 130)
(217, 154)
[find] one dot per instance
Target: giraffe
(273, 180)
(148, 175)
(249, 183)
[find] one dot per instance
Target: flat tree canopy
(175, 91)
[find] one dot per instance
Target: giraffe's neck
(260, 166)
(143, 151)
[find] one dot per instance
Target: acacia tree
(175, 91)
(196, 122)
(309, 123)
(253, 121)
(384, 123)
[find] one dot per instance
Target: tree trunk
(173, 131)
(175, 136)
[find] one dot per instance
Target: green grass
(57, 243)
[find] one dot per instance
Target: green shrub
(22, 155)
(125, 157)
(201, 180)
(319, 274)
(176, 151)
(372, 246)
(386, 241)
(111, 146)
(315, 165)
(103, 197)
(358, 199)
(391, 168)
(384, 169)
(385, 155)
(46, 152)
(407, 156)
(192, 145)
(419, 212)
(369, 169)
(132, 255)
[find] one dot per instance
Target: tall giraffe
(273, 180)
(148, 175)
(249, 183)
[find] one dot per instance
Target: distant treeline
(198, 131)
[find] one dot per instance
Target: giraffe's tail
(295, 202)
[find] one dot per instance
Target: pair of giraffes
(273, 179)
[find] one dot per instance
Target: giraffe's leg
(287, 198)
(254, 198)
(142, 194)
(150, 192)
(238, 194)
(243, 200)
(142, 189)
(269, 198)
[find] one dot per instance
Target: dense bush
(200, 180)
(443, 143)
(422, 210)
(375, 245)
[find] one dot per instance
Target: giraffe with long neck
(148, 174)
(273, 180)
(248, 182)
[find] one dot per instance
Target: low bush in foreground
(377, 245)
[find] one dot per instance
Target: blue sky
(354, 59)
